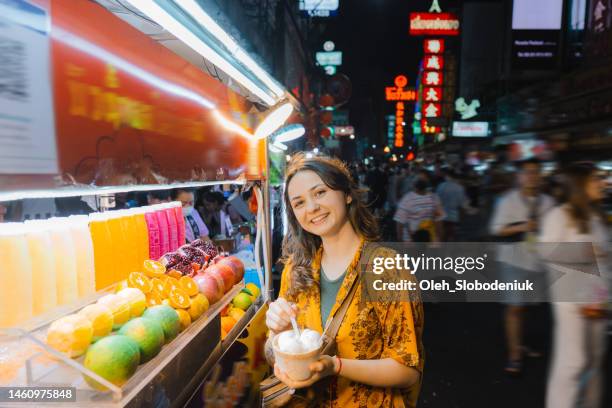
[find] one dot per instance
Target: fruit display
(210, 287)
(101, 319)
(253, 290)
(70, 335)
(114, 358)
(149, 309)
(184, 318)
(227, 323)
(236, 265)
(199, 306)
(242, 301)
(234, 311)
(147, 333)
(136, 299)
(224, 273)
(167, 318)
(119, 307)
(189, 259)
(207, 246)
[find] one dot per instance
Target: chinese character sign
(399, 124)
(432, 94)
(433, 46)
(433, 62)
(432, 110)
(432, 78)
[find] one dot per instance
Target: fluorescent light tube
(200, 16)
(273, 121)
(169, 23)
(289, 133)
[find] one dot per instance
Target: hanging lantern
(326, 100)
(327, 117)
(326, 132)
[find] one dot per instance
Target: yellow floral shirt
(370, 330)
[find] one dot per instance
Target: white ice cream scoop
(310, 339)
(288, 343)
(294, 354)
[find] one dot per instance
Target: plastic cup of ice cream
(295, 361)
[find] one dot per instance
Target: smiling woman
(329, 234)
(321, 200)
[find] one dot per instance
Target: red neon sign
(429, 129)
(432, 94)
(401, 81)
(434, 24)
(433, 78)
(433, 45)
(433, 62)
(398, 92)
(399, 124)
(432, 110)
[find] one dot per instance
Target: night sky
(376, 45)
(373, 35)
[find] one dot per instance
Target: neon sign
(432, 110)
(433, 61)
(399, 124)
(434, 24)
(433, 78)
(432, 94)
(433, 46)
(399, 92)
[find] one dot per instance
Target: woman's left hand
(325, 367)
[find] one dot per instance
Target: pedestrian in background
(579, 345)
(453, 198)
(419, 214)
(515, 220)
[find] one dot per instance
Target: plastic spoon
(296, 329)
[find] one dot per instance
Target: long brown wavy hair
(299, 245)
(581, 209)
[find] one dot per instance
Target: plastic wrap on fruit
(170, 259)
(207, 246)
(193, 254)
(184, 267)
(197, 243)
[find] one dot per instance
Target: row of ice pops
(46, 263)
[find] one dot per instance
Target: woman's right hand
(278, 316)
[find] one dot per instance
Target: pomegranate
(225, 272)
(236, 265)
(207, 246)
(209, 287)
(170, 259)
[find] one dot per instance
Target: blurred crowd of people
(517, 203)
(405, 195)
